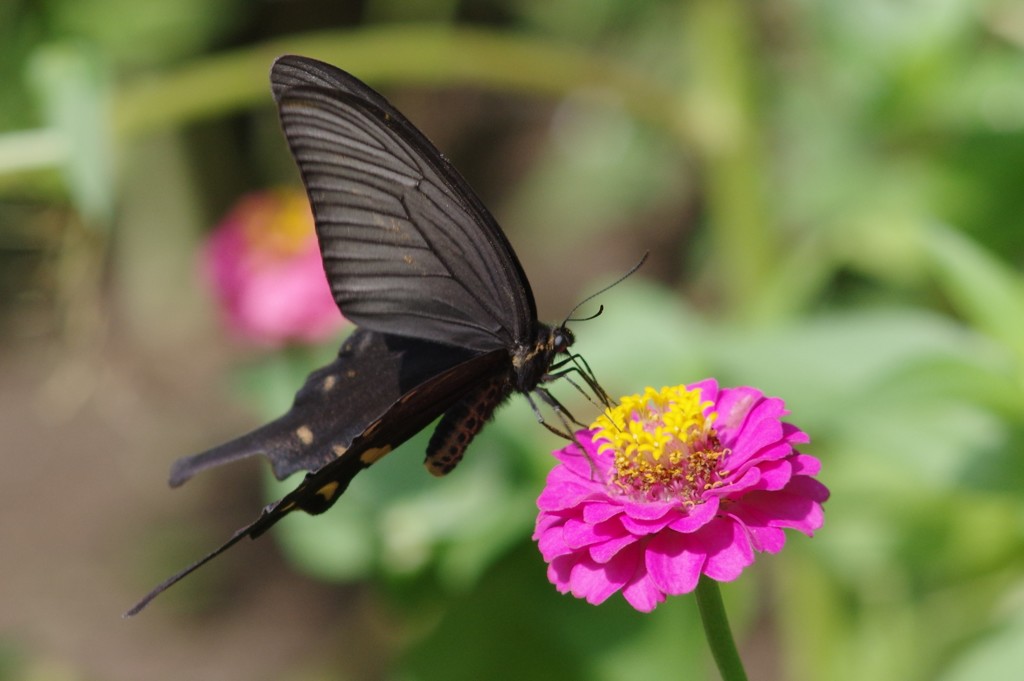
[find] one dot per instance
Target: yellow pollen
(664, 444)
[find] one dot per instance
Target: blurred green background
(833, 197)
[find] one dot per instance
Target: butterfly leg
(563, 413)
(589, 396)
(575, 364)
(549, 400)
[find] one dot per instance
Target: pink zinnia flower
(263, 263)
(672, 484)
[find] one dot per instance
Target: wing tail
(270, 515)
(260, 441)
(174, 579)
(316, 494)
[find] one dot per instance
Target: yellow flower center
(664, 444)
(277, 222)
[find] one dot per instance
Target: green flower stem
(717, 631)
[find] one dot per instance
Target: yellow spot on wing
(339, 450)
(304, 434)
(328, 490)
(374, 454)
(329, 383)
(372, 428)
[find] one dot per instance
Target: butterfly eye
(562, 339)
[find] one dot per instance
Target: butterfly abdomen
(462, 422)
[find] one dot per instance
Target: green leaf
(988, 293)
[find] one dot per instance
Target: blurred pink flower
(263, 263)
(675, 483)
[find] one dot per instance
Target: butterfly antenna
(631, 272)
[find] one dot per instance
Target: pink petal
(794, 435)
(767, 408)
(728, 548)
(552, 544)
(785, 509)
(596, 582)
(674, 562)
(808, 487)
(648, 510)
(606, 550)
(774, 475)
(749, 442)
(642, 593)
(580, 463)
(546, 521)
(290, 300)
(559, 495)
(749, 480)
(560, 571)
(763, 536)
(589, 581)
(599, 511)
(697, 517)
(735, 407)
(579, 534)
(269, 296)
(708, 390)
(805, 465)
(780, 449)
(767, 539)
(646, 527)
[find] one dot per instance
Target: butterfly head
(560, 339)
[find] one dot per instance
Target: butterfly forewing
(407, 246)
(291, 72)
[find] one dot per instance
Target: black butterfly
(447, 324)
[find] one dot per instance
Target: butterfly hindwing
(405, 417)
(411, 413)
(336, 404)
